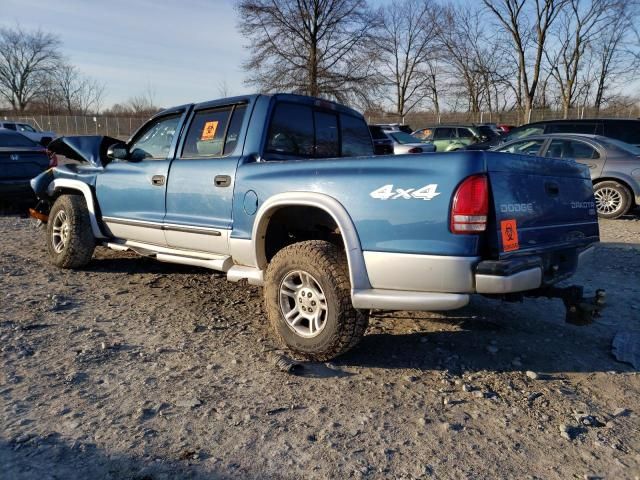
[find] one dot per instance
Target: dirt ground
(136, 369)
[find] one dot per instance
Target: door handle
(157, 180)
(222, 181)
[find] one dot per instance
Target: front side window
(524, 147)
(356, 140)
(155, 140)
(424, 134)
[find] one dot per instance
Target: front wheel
(612, 199)
(70, 241)
(308, 301)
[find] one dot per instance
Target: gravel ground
(132, 368)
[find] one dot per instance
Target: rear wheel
(70, 241)
(612, 199)
(308, 301)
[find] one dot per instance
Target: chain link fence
(123, 127)
(423, 119)
(112, 126)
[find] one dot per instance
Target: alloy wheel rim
(303, 304)
(608, 200)
(60, 231)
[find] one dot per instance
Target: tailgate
(541, 205)
(22, 165)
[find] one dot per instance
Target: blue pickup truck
(284, 191)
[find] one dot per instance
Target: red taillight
(53, 159)
(470, 206)
(415, 150)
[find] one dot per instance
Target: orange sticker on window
(209, 130)
(509, 231)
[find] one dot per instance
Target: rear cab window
(303, 131)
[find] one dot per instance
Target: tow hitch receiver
(580, 310)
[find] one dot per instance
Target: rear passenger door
(201, 179)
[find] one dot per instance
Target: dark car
(382, 144)
(614, 165)
(625, 130)
(489, 138)
(21, 159)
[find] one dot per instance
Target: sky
(183, 51)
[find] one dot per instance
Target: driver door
(131, 192)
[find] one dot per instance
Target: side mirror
(117, 151)
(44, 141)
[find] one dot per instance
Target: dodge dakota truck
(284, 191)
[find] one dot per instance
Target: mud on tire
(312, 276)
(70, 241)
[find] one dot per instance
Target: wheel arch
(60, 186)
(357, 269)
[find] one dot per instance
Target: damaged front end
(84, 158)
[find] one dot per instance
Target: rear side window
(571, 149)
(444, 133)
(356, 140)
(207, 133)
(10, 126)
(525, 131)
(15, 140)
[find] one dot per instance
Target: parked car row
(609, 147)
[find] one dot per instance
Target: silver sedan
(614, 165)
(406, 143)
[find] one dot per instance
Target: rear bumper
(522, 274)
(432, 282)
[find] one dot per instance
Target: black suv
(625, 130)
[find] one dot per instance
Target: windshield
(404, 138)
(631, 149)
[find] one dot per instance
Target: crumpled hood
(91, 148)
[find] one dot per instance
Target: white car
(26, 130)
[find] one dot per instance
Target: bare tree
(27, 59)
(406, 42)
(460, 31)
(145, 103)
(76, 92)
(616, 49)
(314, 47)
(528, 23)
(578, 24)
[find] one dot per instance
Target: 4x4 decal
(387, 192)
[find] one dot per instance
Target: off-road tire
(344, 325)
(77, 250)
(623, 197)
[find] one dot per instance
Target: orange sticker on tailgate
(509, 231)
(209, 131)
